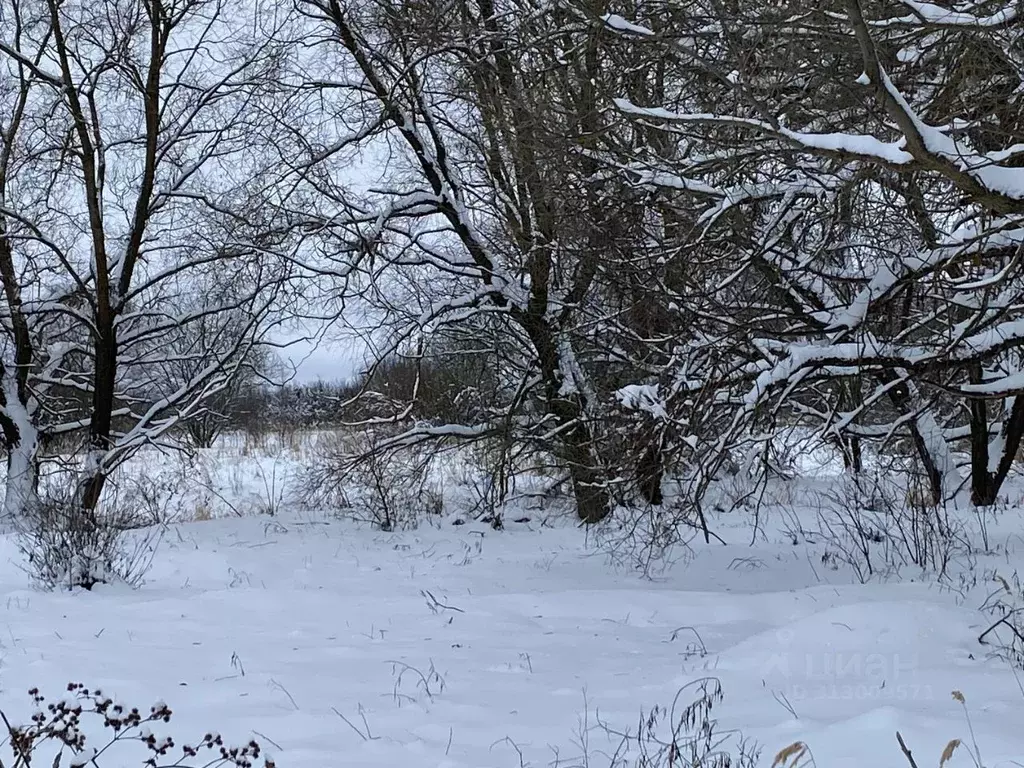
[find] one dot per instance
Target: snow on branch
(622, 26)
(643, 397)
(937, 16)
(851, 145)
(979, 174)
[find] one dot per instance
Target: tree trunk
(593, 502)
(650, 471)
(93, 476)
(21, 440)
(851, 398)
(939, 468)
(985, 485)
(983, 492)
(852, 456)
(576, 439)
(90, 488)
(21, 490)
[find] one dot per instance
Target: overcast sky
(329, 361)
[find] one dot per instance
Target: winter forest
(686, 423)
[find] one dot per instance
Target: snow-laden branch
(850, 146)
(971, 17)
(997, 187)
(618, 24)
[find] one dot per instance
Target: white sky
(329, 361)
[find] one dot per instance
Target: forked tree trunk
(853, 460)
(986, 480)
(91, 489)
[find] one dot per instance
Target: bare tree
(494, 221)
(134, 164)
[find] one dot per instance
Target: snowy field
(465, 647)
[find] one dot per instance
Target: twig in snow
(906, 752)
(436, 605)
(583, 732)
(699, 648)
(508, 740)
(365, 734)
(748, 563)
(277, 686)
(431, 683)
(780, 697)
(1003, 620)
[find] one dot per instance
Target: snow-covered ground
(460, 646)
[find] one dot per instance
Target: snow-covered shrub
(163, 492)
(66, 548)
(648, 538)
(500, 477)
(272, 491)
(391, 491)
(877, 526)
(64, 733)
(483, 477)
(389, 488)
